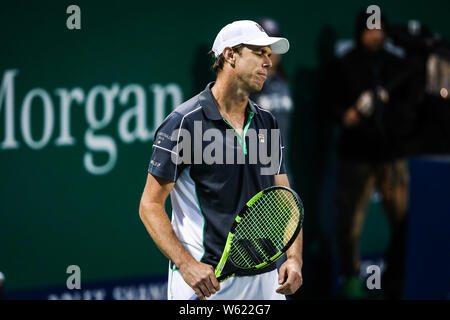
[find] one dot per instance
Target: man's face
(373, 39)
(252, 67)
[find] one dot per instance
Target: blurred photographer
(370, 101)
(427, 55)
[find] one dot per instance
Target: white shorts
(258, 287)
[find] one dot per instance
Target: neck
(230, 98)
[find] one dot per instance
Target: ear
(229, 56)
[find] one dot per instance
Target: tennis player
(207, 196)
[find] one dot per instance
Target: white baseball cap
(247, 32)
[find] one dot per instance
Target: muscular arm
(290, 273)
(198, 275)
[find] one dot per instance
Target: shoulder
(393, 56)
(183, 113)
(188, 107)
(265, 115)
(352, 54)
(347, 61)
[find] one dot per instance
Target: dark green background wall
(53, 212)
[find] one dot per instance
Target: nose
(267, 62)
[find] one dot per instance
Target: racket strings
(269, 224)
(269, 228)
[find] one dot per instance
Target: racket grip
(194, 297)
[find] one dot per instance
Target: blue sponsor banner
(428, 257)
(150, 288)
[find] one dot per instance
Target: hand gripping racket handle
(220, 279)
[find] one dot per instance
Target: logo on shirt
(155, 163)
(261, 138)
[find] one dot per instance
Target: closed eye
(261, 53)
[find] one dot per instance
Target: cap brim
(278, 45)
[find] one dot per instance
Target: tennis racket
(262, 231)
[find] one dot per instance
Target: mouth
(262, 75)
